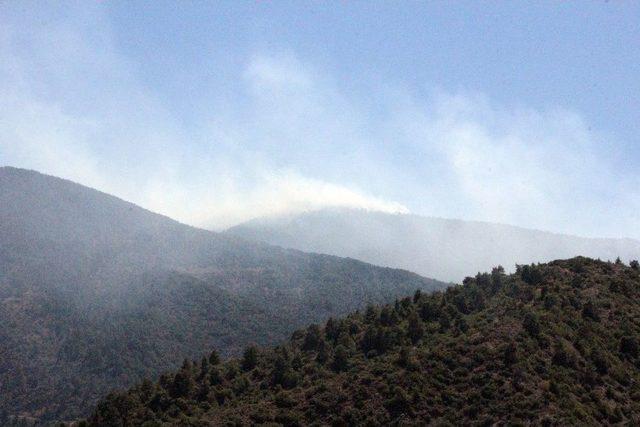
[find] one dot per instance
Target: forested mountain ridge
(446, 249)
(97, 293)
(553, 344)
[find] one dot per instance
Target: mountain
(441, 248)
(97, 293)
(552, 344)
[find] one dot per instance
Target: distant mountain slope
(441, 248)
(97, 293)
(552, 345)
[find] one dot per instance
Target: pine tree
(183, 382)
(204, 368)
(250, 358)
(405, 358)
(331, 329)
(214, 358)
(417, 295)
(589, 311)
(415, 328)
(340, 359)
(312, 338)
(280, 367)
(531, 324)
(323, 353)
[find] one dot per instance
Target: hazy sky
(214, 113)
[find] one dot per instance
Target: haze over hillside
(97, 293)
(443, 248)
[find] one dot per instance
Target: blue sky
(214, 113)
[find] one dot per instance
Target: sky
(214, 113)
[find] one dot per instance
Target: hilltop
(97, 293)
(446, 249)
(552, 344)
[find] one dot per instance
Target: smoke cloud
(284, 137)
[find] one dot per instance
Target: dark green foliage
(250, 358)
(332, 330)
(312, 338)
(415, 328)
(562, 356)
(510, 354)
(497, 276)
(531, 324)
(281, 367)
(518, 363)
(429, 310)
(406, 358)
(599, 359)
(530, 274)
(183, 382)
(589, 311)
(629, 346)
(549, 302)
(635, 264)
(214, 358)
(340, 359)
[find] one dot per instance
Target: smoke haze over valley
(96, 287)
(442, 248)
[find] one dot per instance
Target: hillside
(552, 344)
(97, 293)
(442, 248)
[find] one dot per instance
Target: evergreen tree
(280, 368)
(371, 315)
(323, 353)
(417, 295)
(331, 330)
(530, 274)
(429, 311)
(589, 311)
(250, 358)
(204, 368)
(531, 324)
(183, 382)
(629, 346)
(312, 338)
(214, 358)
(340, 359)
(405, 358)
(510, 354)
(497, 275)
(415, 328)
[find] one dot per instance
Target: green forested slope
(552, 344)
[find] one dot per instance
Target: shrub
(589, 312)
(629, 346)
(531, 324)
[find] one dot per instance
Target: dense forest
(97, 294)
(552, 344)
